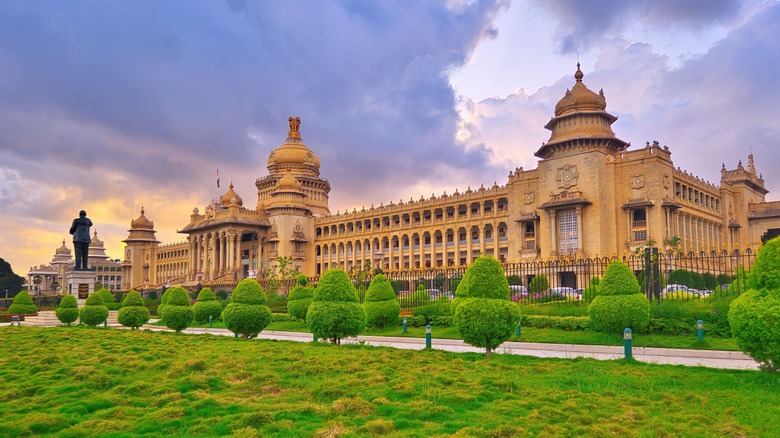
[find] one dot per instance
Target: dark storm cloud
(581, 23)
(172, 87)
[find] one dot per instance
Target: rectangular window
(568, 239)
(639, 225)
(529, 236)
(677, 189)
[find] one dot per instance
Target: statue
(81, 240)
(295, 123)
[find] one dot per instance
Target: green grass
(77, 381)
(529, 334)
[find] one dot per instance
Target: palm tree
(37, 280)
(55, 286)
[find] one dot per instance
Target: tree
(538, 284)
(486, 318)
(23, 304)
(207, 306)
(108, 298)
(681, 276)
(247, 315)
(381, 306)
(178, 312)
(163, 303)
(68, 310)
(300, 298)
(37, 280)
(8, 280)
(133, 313)
(710, 281)
(335, 312)
(620, 302)
(94, 311)
(55, 286)
(753, 316)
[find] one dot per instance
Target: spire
(578, 75)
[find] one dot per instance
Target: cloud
(582, 24)
(107, 106)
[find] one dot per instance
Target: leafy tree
(754, 315)
(514, 280)
(247, 315)
(486, 318)
(108, 298)
(381, 307)
(55, 286)
(697, 281)
(163, 303)
(8, 280)
(420, 296)
(23, 304)
(94, 311)
(710, 282)
(620, 302)
(68, 310)
(133, 313)
(37, 280)
(438, 281)
(539, 284)
(725, 279)
(178, 312)
(334, 312)
(681, 276)
(207, 305)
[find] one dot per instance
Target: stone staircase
(48, 318)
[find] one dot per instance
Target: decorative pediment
(274, 233)
(297, 234)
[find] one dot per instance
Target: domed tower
(140, 253)
(292, 223)
(295, 158)
(97, 250)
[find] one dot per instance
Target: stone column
(553, 233)
(580, 248)
(222, 252)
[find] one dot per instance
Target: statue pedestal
(81, 284)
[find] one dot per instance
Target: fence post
(699, 330)
(627, 344)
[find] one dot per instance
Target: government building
(590, 196)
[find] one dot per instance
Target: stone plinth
(81, 284)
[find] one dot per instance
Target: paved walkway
(673, 356)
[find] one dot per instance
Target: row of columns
(214, 254)
(697, 232)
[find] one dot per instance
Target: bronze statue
(81, 240)
(295, 124)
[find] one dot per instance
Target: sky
(114, 106)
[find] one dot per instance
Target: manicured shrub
(108, 299)
(618, 280)
(334, 312)
(590, 292)
(381, 307)
(486, 318)
(222, 294)
(538, 284)
(697, 281)
(559, 322)
(740, 284)
(710, 282)
(163, 302)
(461, 292)
(613, 313)
(619, 303)
(299, 300)
(420, 296)
(207, 305)
(302, 280)
(94, 311)
(247, 314)
(23, 304)
(68, 311)
(133, 313)
(178, 312)
(755, 315)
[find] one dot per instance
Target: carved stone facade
(589, 196)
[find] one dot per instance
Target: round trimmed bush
(133, 313)
(94, 311)
(486, 322)
(247, 315)
(68, 310)
(335, 312)
(207, 305)
(23, 304)
(163, 302)
(619, 280)
(487, 279)
(461, 292)
(381, 307)
(754, 315)
(613, 313)
(178, 313)
(299, 300)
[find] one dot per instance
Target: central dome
(293, 154)
(580, 98)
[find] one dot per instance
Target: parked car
(518, 292)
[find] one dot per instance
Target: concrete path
(672, 356)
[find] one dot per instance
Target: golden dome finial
(578, 75)
(295, 124)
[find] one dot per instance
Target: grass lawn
(530, 334)
(78, 381)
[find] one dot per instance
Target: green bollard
(404, 330)
(517, 330)
(315, 337)
(428, 336)
(627, 344)
(105, 323)
(235, 335)
(210, 321)
(700, 330)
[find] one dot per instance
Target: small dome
(63, 249)
(580, 98)
(229, 196)
(95, 242)
(288, 182)
(293, 154)
(142, 222)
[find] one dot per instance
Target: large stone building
(589, 196)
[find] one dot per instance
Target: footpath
(670, 356)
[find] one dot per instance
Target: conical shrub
(23, 304)
(381, 306)
(620, 303)
(335, 312)
(247, 314)
(94, 311)
(207, 306)
(178, 312)
(133, 313)
(68, 310)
